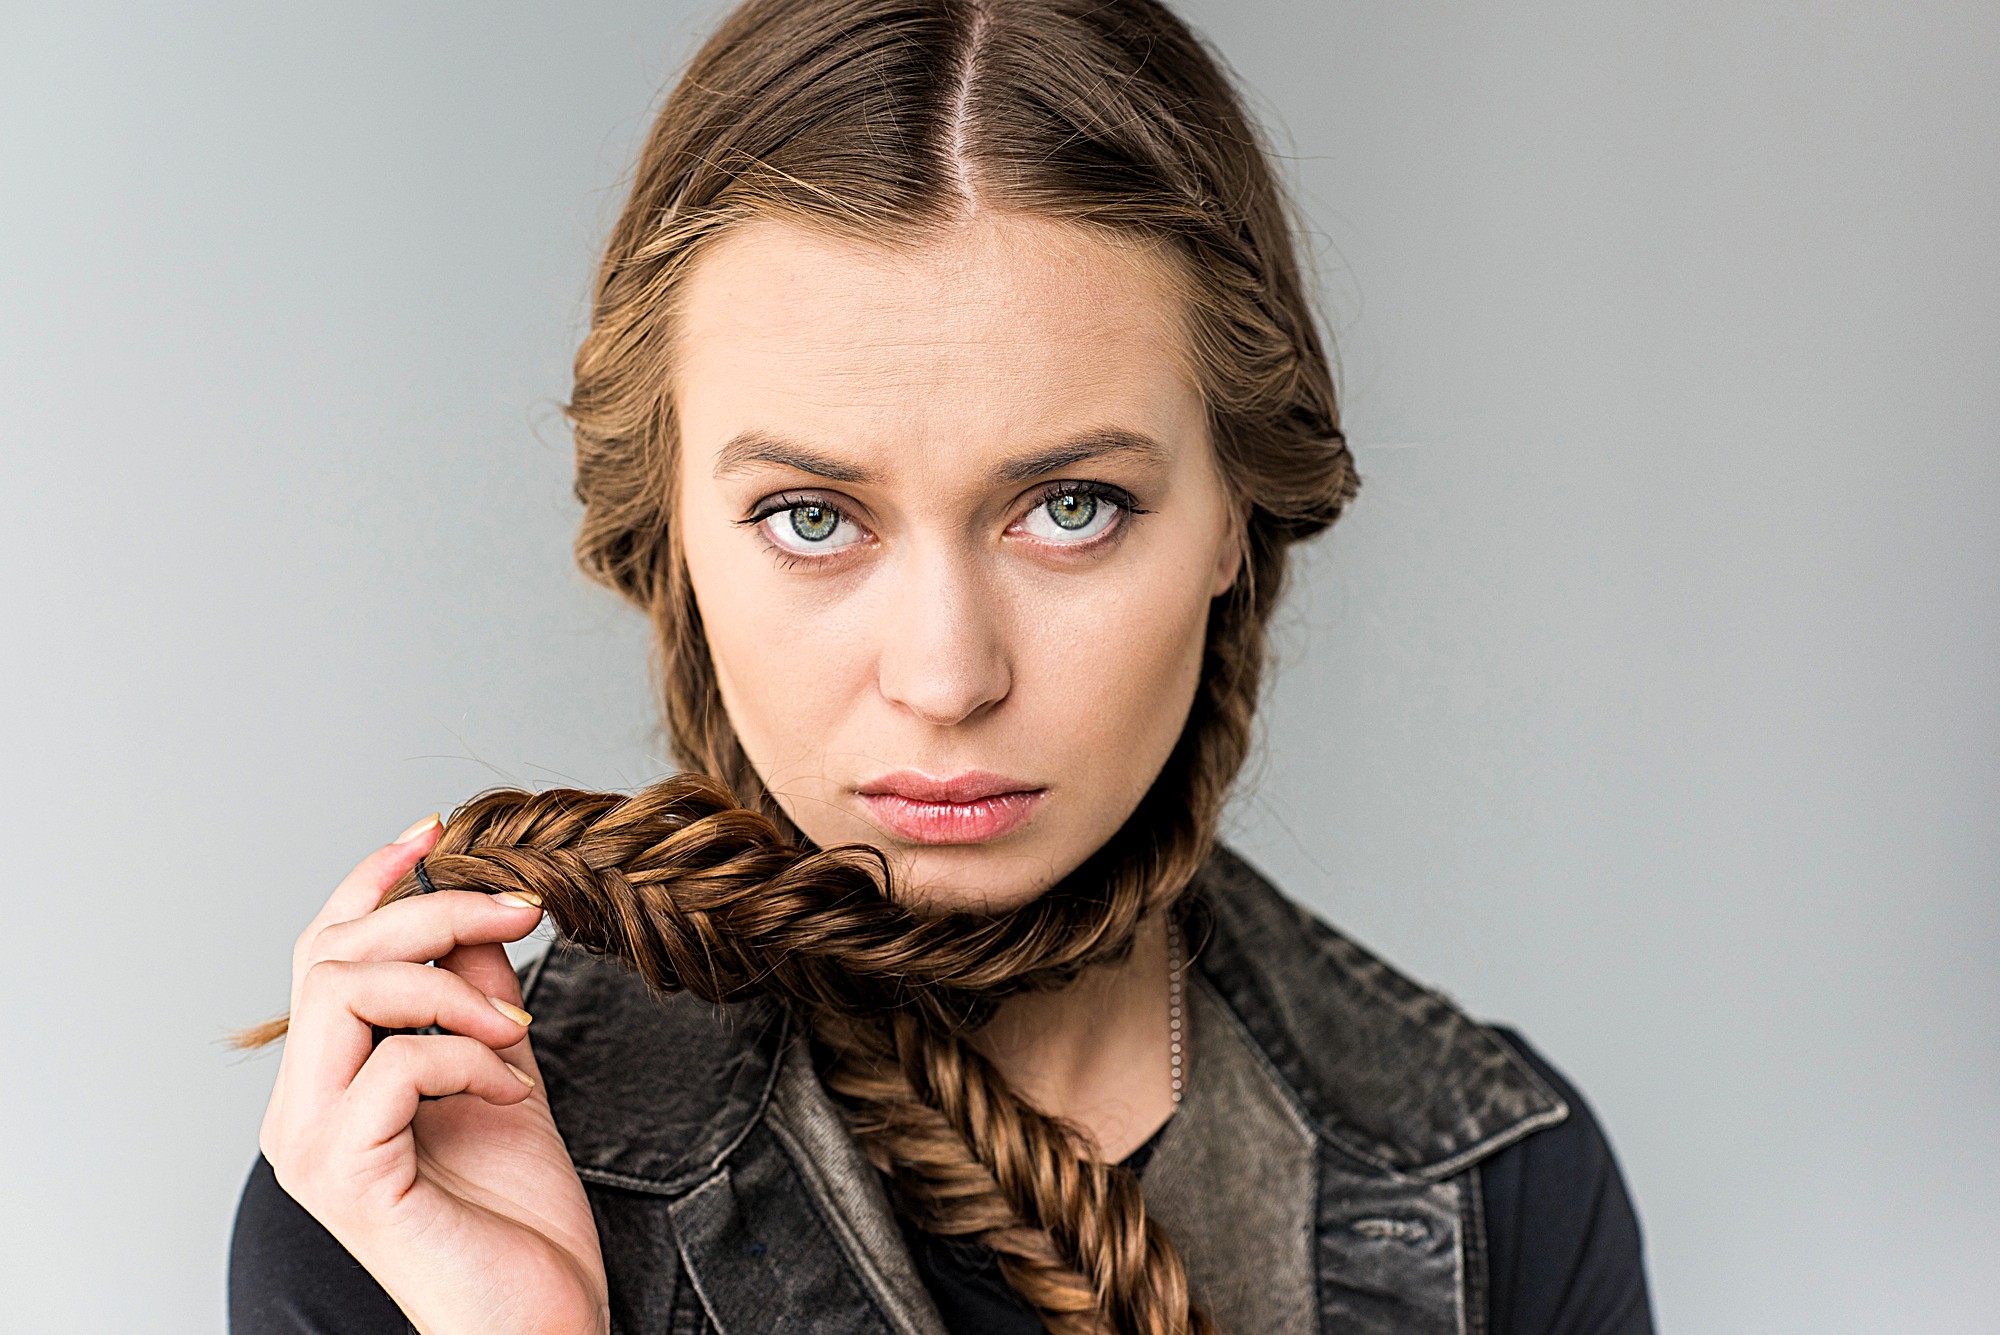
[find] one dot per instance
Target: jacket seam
(873, 1281)
(1490, 1146)
(1477, 1290)
(1294, 1103)
(1557, 1111)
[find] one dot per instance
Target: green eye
(814, 522)
(1072, 510)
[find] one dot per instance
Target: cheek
(784, 651)
(1114, 669)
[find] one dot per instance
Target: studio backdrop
(1646, 700)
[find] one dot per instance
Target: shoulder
(1389, 1071)
(649, 1091)
(1563, 1244)
(1400, 1080)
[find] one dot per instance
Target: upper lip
(919, 787)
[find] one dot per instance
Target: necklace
(1174, 1007)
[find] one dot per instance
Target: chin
(972, 878)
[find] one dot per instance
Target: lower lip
(973, 822)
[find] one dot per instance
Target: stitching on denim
(1507, 1135)
(1301, 1116)
(687, 1183)
(604, 1177)
(757, 1113)
(1322, 1272)
(1315, 1127)
(1520, 1064)
(1486, 1148)
(1459, 1261)
(680, 1246)
(873, 1282)
(1472, 1244)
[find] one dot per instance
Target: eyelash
(790, 500)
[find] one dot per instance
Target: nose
(943, 654)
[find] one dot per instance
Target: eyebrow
(749, 448)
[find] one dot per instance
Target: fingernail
(518, 899)
(419, 828)
(511, 1011)
(521, 1075)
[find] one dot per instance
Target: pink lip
(969, 808)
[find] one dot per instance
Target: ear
(1229, 554)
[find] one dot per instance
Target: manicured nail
(521, 1075)
(419, 828)
(518, 899)
(511, 1011)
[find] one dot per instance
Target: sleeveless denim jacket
(1322, 1174)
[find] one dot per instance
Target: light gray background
(1646, 700)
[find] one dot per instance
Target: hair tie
(424, 886)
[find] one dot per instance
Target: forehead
(1004, 331)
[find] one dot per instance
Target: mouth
(970, 808)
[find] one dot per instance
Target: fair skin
(953, 525)
(947, 622)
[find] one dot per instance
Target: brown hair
(889, 120)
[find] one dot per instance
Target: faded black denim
(1334, 1183)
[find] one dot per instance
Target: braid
(696, 893)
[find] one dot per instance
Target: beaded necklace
(1174, 1007)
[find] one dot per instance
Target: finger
(343, 1001)
(406, 1068)
(487, 968)
(425, 927)
(361, 890)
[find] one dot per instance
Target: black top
(964, 1277)
(1562, 1250)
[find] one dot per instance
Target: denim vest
(1321, 1174)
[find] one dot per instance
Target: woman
(950, 404)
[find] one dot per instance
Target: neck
(1095, 1053)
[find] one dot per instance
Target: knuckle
(326, 976)
(329, 940)
(303, 946)
(457, 1049)
(400, 1052)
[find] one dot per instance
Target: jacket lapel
(762, 1257)
(1388, 1071)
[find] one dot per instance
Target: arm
(1563, 1248)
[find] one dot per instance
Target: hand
(432, 1158)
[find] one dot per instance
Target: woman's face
(953, 524)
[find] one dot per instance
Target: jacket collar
(654, 1094)
(1389, 1072)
